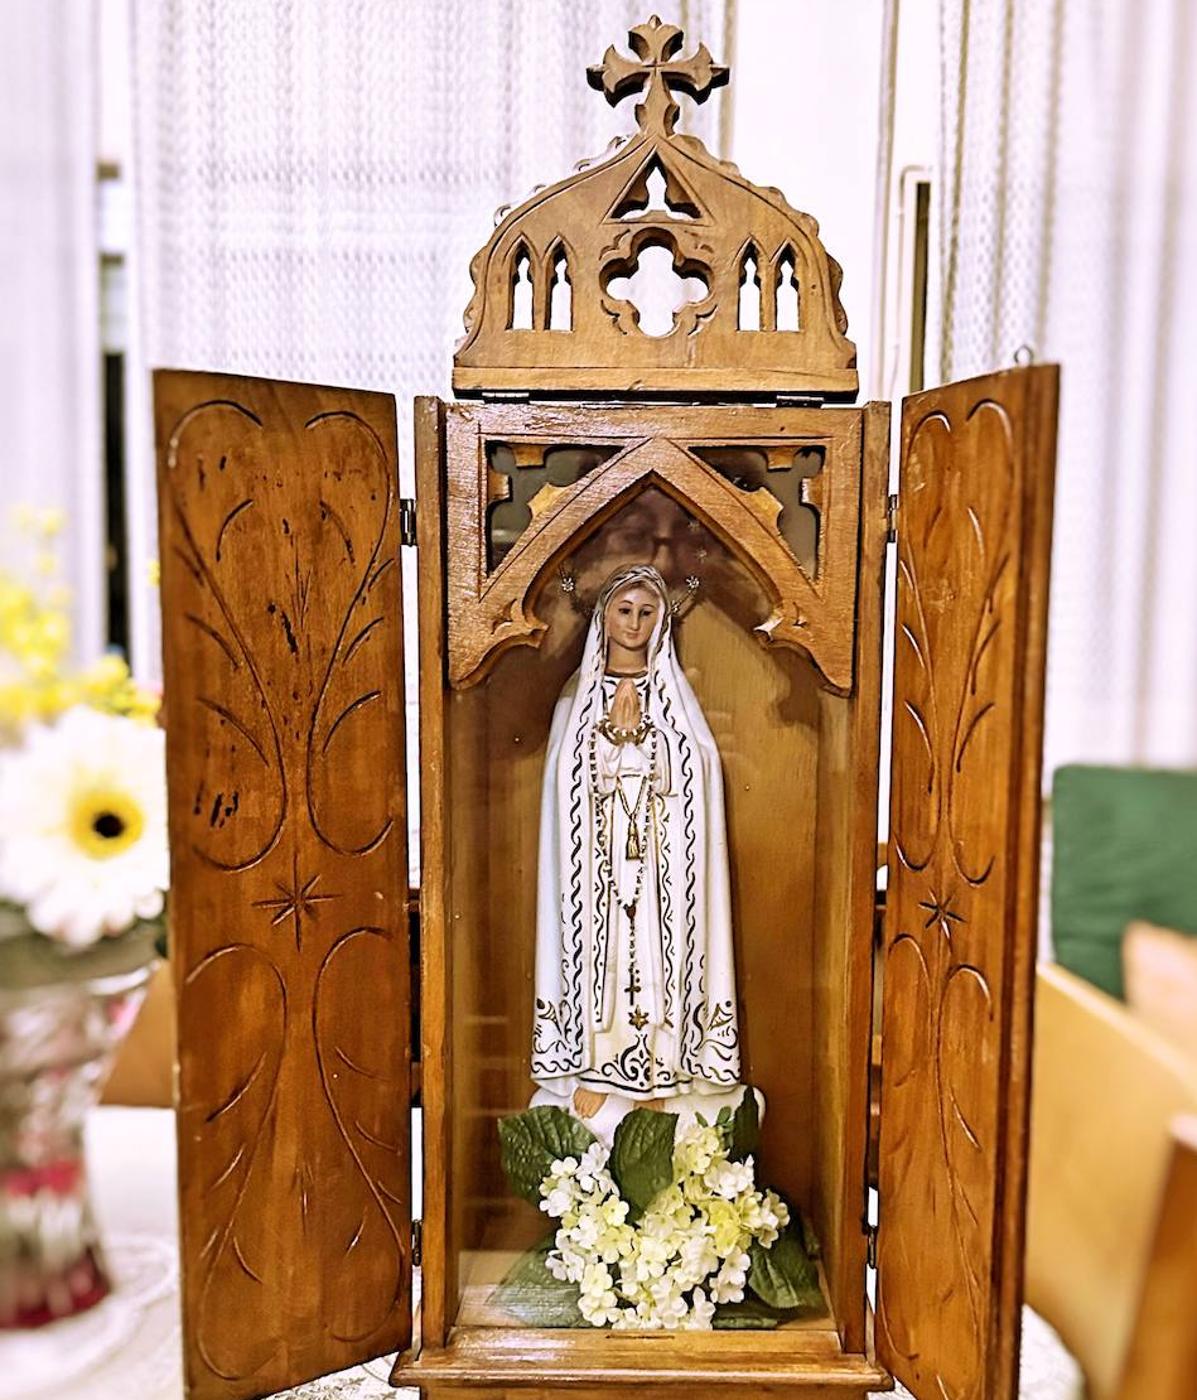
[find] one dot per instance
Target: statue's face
(631, 616)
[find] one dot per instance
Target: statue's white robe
(644, 1010)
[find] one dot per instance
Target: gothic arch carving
(491, 611)
(659, 188)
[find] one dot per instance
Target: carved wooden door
(284, 699)
(974, 529)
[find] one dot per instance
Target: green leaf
(745, 1128)
(532, 1295)
(530, 1142)
(783, 1275)
(642, 1155)
(751, 1315)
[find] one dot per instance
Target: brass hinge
(871, 1246)
(407, 521)
(798, 400)
(505, 395)
(417, 1243)
(891, 519)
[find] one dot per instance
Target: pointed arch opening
(748, 306)
(519, 317)
(787, 306)
(748, 534)
(560, 315)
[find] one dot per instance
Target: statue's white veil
(699, 992)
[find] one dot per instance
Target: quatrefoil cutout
(656, 284)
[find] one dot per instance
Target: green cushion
(1124, 846)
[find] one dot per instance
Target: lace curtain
(314, 176)
(1069, 225)
(50, 365)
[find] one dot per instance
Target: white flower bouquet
(668, 1230)
(84, 867)
(83, 847)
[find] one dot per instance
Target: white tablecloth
(128, 1348)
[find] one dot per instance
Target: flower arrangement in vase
(83, 875)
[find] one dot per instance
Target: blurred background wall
(50, 359)
(295, 187)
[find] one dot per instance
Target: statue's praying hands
(625, 708)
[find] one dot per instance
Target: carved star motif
(296, 902)
(940, 911)
(638, 1019)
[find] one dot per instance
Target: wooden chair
(1161, 1363)
(1106, 1091)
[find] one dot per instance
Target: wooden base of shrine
(492, 1356)
(493, 1361)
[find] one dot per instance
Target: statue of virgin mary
(635, 980)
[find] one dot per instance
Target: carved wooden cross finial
(656, 46)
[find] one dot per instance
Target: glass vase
(62, 1018)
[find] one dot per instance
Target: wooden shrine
(320, 998)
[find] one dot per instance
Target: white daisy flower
(83, 843)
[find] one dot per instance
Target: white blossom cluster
(686, 1254)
